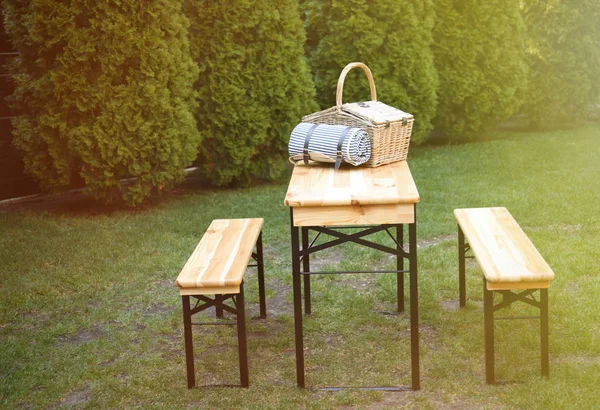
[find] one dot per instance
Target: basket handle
(340, 84)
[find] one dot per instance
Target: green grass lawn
(90, 316)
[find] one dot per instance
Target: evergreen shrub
(104, 92)
(563, 54)
(392, 37)
(254, 85)
(479, 54)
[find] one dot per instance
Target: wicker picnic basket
(388, 127)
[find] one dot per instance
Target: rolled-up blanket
(323, 143)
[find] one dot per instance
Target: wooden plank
(221, 257)
(504, 252)
(354, 215)
(214, 290)
(321, 185)
(517, 285)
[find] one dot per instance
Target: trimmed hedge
(479, 55)
(254, 85)
(393, 38)
(104, 92)
(563, 53)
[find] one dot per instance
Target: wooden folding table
(372, 199)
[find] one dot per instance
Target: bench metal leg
(203, 303)
(488, 313)
(241, 330)
(462, 291)
(414, 305)
(306, 268)
(189, 344)
(508, 298)
(544, 332)
(400, 266)
(261, 277)
(297, 303)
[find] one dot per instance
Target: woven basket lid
(376, 112)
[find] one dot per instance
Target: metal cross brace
(509, 297)
(353, 237)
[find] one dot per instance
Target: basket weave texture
(388, 127)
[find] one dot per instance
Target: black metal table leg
(488, 323)
(306, 268)
(242, 343)
(261, 277)
(544, 332)
(400, 266)
(189, 346)
(301, 251)
(414, 305)
(297, 302)
(462, 292)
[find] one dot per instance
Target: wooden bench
(217, 267)
(509, 261)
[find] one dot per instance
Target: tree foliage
(563, 53)
(479, 55)
(254, 85)
(104, 92)
(392, 37)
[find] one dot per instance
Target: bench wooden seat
(217, 267)
(505, 254)
(509, 262)
(219, 262)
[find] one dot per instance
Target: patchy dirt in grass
(266, 328)
(217, 348)
(391, 400)
(476, 302)
(579, 359)
(33, 317)
(83, 336)
(171, 345)
(411, 400)
(270, 253)
(450, 305)
(108, 362)
(77, 397)
(366, 283)
(573, 288)
(458, 404)
(428, 334)
(363, 284)
(278, 303)
(328, 259)
(159, 309)
(197, 405)
(169, 284)
(436, 240)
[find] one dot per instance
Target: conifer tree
(104, 92)
(563, 54)
(254, 85)
(479, 55)
(392, 37)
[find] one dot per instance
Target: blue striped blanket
(324, 141)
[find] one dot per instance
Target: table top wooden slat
(221, 257)
(503, 250)
(322, 185)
